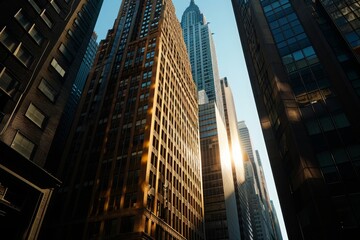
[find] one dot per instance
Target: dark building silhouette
(132, 169)
(68, 115)
(42, 44)
(303, 63)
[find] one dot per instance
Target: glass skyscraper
(304, 68)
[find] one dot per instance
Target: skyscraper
(217, 154)
(68, 115)
(304, 68)
(42, 44)
(201, 49)
(133, 168)
(256, 190)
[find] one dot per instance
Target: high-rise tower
(256, 190)
(201, 49)
(219, 175)
(304, 67)
(42, 44)
(133, 168)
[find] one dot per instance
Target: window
(23, 20)
(55, 6)
(57, 67)
(46, 19)
(9, 42)
(47, 90)
(23, 145)
(36, 35)
(66, 53)
(35, 6)
(34, 114)
(7, 82)
(24, 56)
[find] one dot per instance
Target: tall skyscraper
(42, 44)
(275, 221)
(304, 68)
(216, 136)
(256, 190)
(201, 49)
(132, 169)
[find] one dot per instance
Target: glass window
(65, 51)
(341, 121)
(326, 124)
(23, 145)
(55, 6)
(7, 82)
(313, 127)
(35, 6)
(46, 19)
(23, 20)
(47, 90)
(8, 41)
(324, 159)
(36, 35)
(34, 114)
(57, 67)
(24, 56)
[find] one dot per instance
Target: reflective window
(8, 41)
(35, 115)
(23, 20)
(325, 159)
(57, 67)
(24, 56)
(47, 90)
(36, 35)
(46, 19)
(35, 5)
(7, 82)
(66, 53)
(55, 6)
(23, 145)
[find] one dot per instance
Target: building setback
(42, 44)
(132, 169)
(304, 68)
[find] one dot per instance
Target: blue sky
(231, 65)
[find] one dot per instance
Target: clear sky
(231, 65)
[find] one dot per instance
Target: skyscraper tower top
(201, 50)
(192, 15)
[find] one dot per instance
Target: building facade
(303, 63)
(132, 167)
(201, 50)
(68, 115)
(220, 206)
(256, 190)
(220, 176)
(42, 44)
